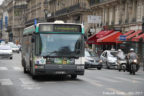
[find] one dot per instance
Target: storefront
(105, 40)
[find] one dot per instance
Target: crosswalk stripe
(128, 80)
(17, 68)
(3, 68)
(29, 84)
(5, 82)
(108, 79)
(26, 81)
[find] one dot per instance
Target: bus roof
(31, 29)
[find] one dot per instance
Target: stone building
(35, 11)
(16, 12)
(74, 11)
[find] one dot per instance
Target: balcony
(95, 2)
(76, 7)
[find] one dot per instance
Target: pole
(13, 19)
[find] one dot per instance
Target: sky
(1, 1)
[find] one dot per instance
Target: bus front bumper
(51, 69)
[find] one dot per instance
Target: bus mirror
(85, 38)
(33, 40)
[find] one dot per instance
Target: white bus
(53, 48)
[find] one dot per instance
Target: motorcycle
(122, 63)
(133, 66)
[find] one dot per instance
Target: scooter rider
(131, 56)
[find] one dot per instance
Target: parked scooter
(133, 66)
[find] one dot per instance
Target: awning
(134, 34)
(138, 37)
(129, 32)
(111, 38)
(94, 37)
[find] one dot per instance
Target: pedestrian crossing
(99, 81)
(11, 69)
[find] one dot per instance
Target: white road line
(26, 81)
(5, 82)
(128, 80)
(93, 82)
(17, 68)
(29, 84)
(115, 92)
(141, 79)
(108, 79)
(3, 68)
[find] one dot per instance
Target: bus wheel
(73, 76)
(25, 70)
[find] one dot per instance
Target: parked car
(109, 58)
(92, 60)
(15, 48)
(6, 51)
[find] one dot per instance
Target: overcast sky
(1, 1)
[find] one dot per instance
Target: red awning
(94, 37)
(138, 37)
(111, 38)
(134, 34)
(129, 32)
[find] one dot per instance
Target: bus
(53, 48)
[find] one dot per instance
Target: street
(13, 82)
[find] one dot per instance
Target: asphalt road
(13, 82)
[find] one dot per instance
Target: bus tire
(25, 70)
(73, 76)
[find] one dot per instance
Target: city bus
(53, 49)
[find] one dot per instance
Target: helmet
(131, 49)
(119, 50)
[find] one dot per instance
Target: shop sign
(122, 38)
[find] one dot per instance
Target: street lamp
(46, 13)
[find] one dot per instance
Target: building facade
(16, 12)
(35, 11)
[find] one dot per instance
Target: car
(92, 60)
(6, 51)
(109, 59)
(15, 48)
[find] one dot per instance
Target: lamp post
(46, 13)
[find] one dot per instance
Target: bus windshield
(59, 45)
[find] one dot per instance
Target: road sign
(122, 38)
(94, 19)
(35, 22)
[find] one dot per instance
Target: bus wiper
(49, 55)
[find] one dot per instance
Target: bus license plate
(60, 72)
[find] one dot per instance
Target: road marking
(29, 84)
(3, 68)
(108, 79)
(26, 81)
(17, 68)
(128, 80)
(93, 82)
(139, 79)
(5, 82)
(116, 92)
